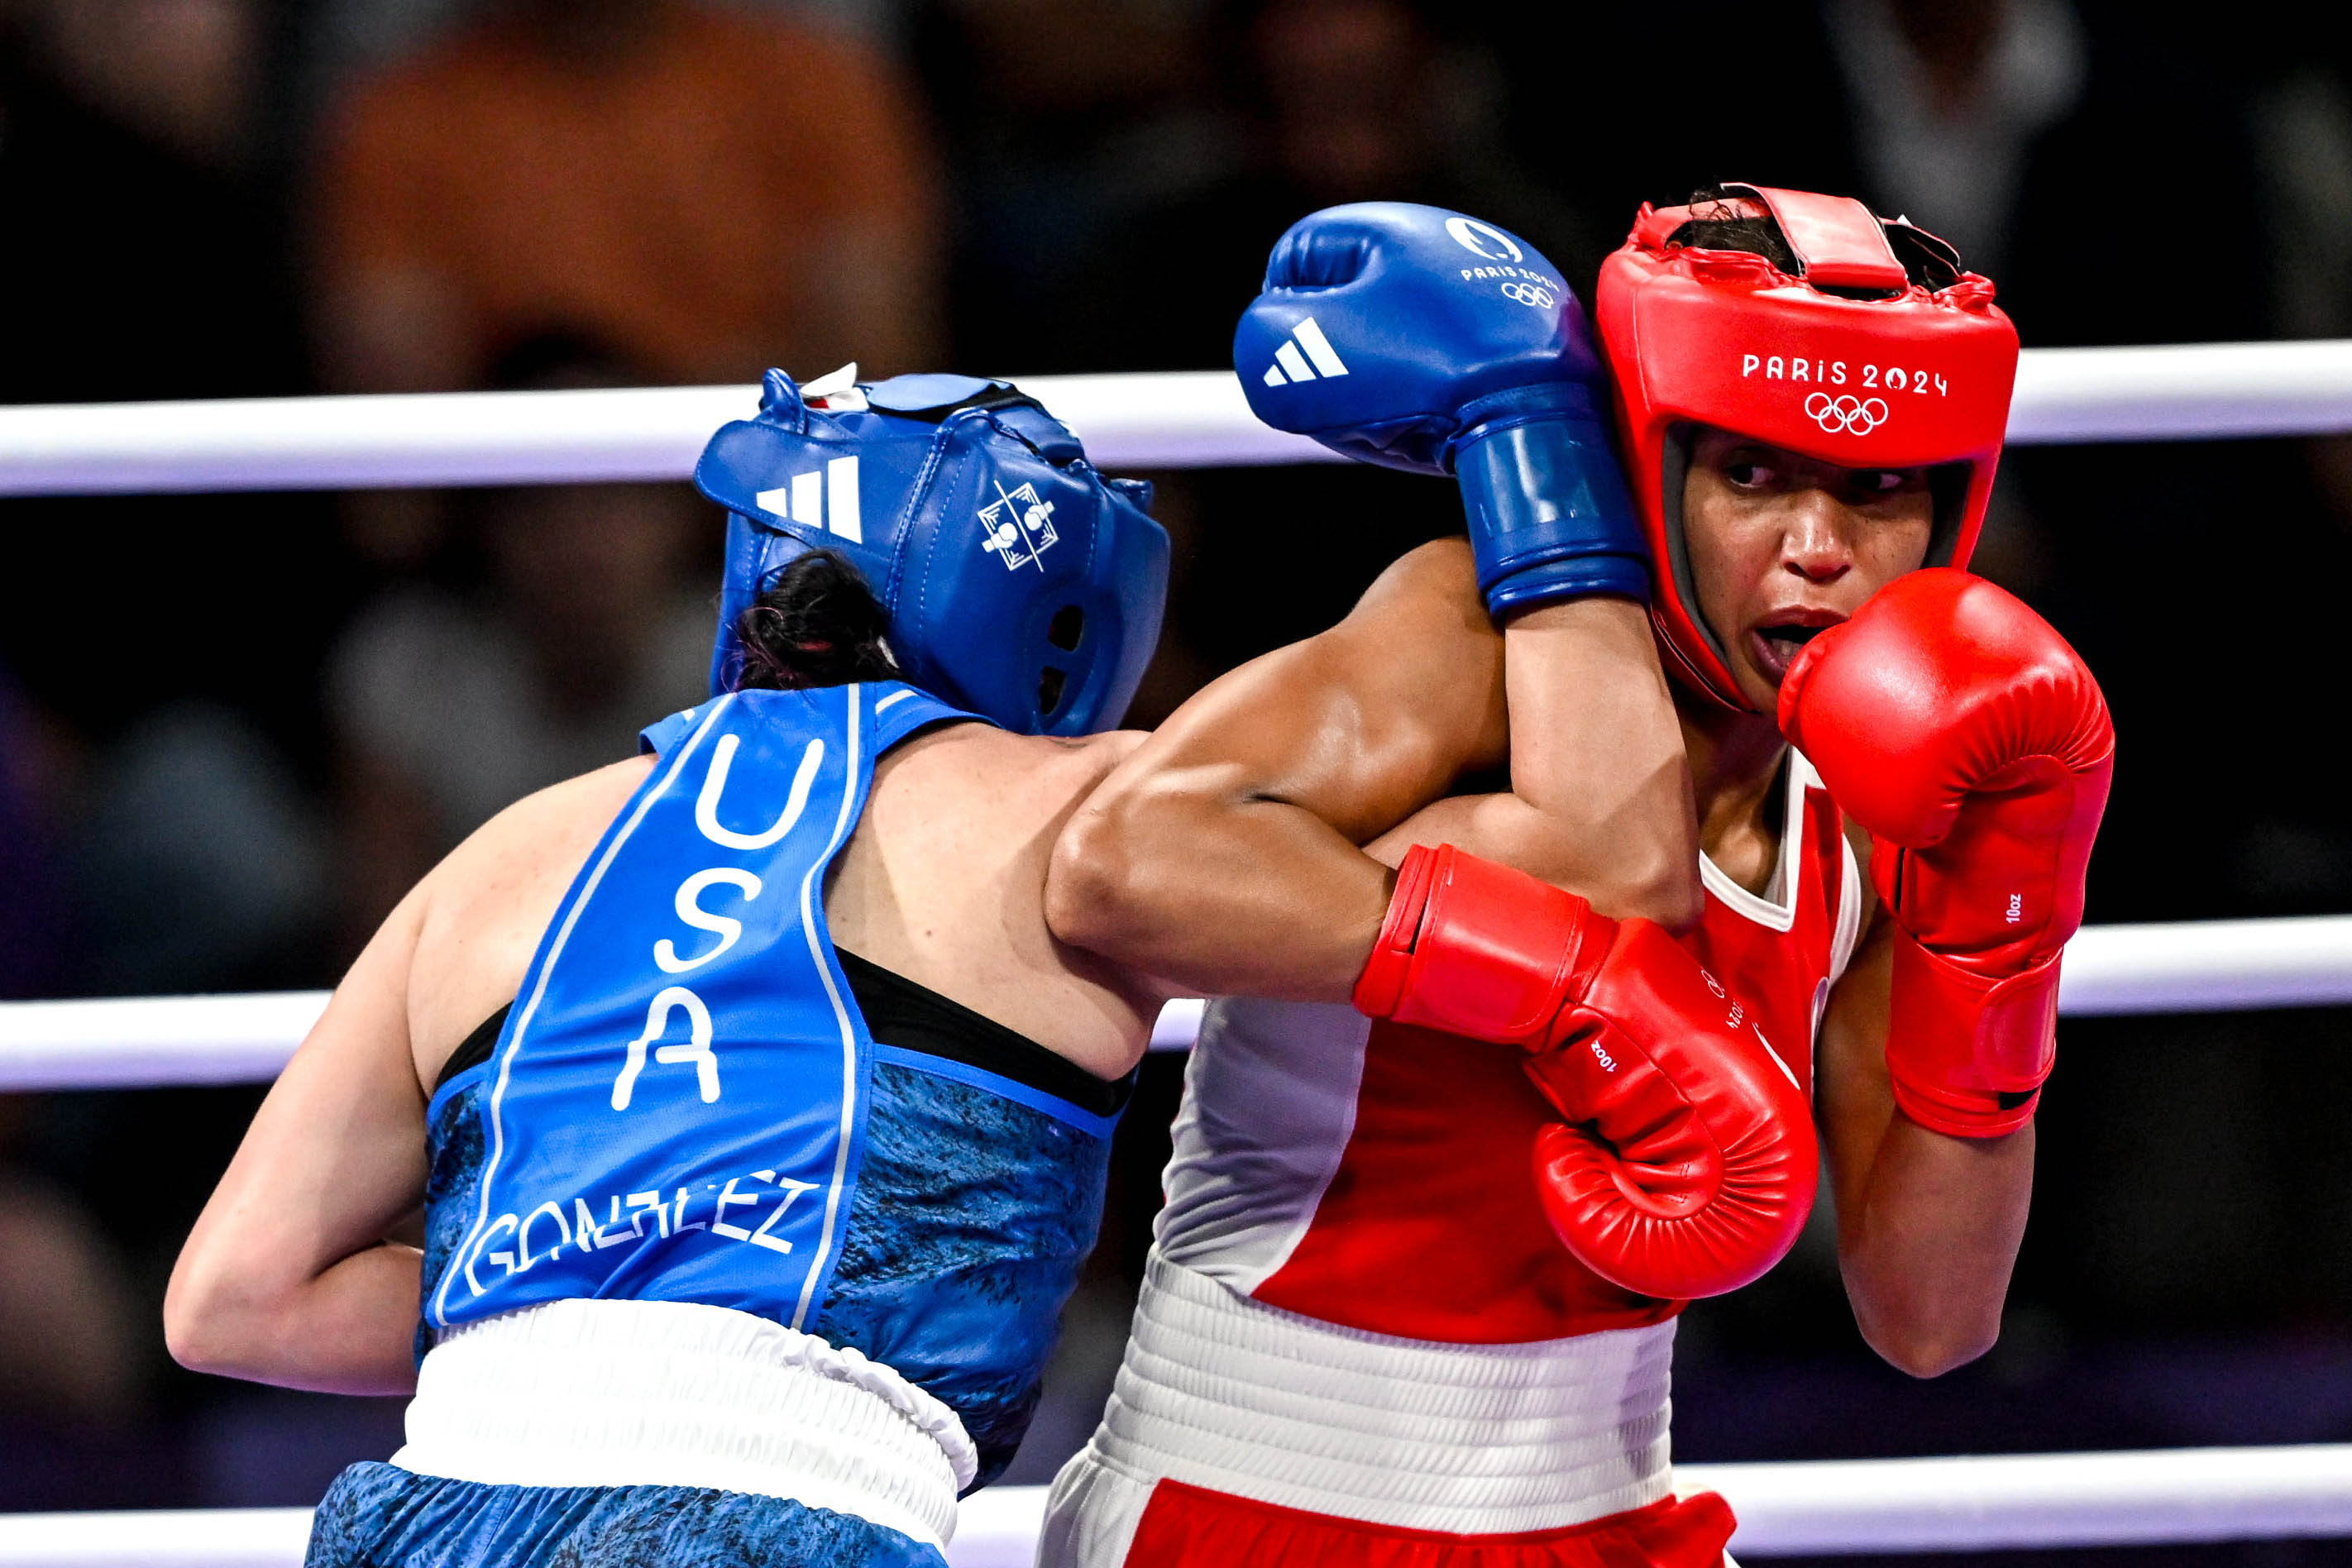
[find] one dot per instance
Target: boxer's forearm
(1928, 1226)
(1600, 801)
(1928, 1248)
(351, 1330)
(1218, 894)
(1506, 829)
(1600, 795)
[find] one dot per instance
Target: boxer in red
(1361, 1337)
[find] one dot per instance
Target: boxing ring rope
(1184, 420)
(1167, 419)
(1830, 1507)
(142, 1042)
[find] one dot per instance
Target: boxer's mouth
(1773, 642)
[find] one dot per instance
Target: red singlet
(1356, 1310)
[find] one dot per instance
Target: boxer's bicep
(1225, 852)
(1369, 721)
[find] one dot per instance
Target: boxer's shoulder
(480, 911)
(943, 882)
(545, 834)
(1003, 775)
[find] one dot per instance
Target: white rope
(146, 1042)
(2187, 391)
(2134, 1499)
(2188, 966)
(1179, 419)
(2207, 966)
(1164, 419)
(157, 1537)
(2147, 1497)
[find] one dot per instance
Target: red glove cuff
(1477, 949)
(1968, 1053)
(1381, 986)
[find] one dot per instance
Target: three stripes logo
(1318, 358)
(822, 498)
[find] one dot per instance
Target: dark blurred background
(233, 729)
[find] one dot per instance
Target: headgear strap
(1837, 240)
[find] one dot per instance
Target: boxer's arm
(1928, 1226)
(1601, 797)
(1225, 854)
(288, 1277)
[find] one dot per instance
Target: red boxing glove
(1700, 1165)
(1958, 727)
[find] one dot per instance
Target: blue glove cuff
(1549, 512)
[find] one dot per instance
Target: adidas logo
(1290, 365)
(822, 498)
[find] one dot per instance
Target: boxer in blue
(748, 1213)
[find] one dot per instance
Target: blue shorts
(380, 1516)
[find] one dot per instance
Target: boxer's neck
(1734, 759)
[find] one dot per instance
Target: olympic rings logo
(1845, 412)
(1533, 295)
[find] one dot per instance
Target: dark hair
(816, 623)
(1926, 260)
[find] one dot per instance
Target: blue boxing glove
(1420, 339)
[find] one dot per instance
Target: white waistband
(1219, 1391)
(601, 1394)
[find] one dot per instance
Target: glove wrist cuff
(1969, 1053)
(1381, 987)
(1472, 948)
(1547, 507)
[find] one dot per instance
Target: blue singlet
(686, 1104)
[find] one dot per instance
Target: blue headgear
(1019, 583)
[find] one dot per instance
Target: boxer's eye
(1748, 473)
(1880, 481)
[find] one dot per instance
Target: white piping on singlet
(842, 823)
(1775, 908)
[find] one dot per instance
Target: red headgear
(1849, 362)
